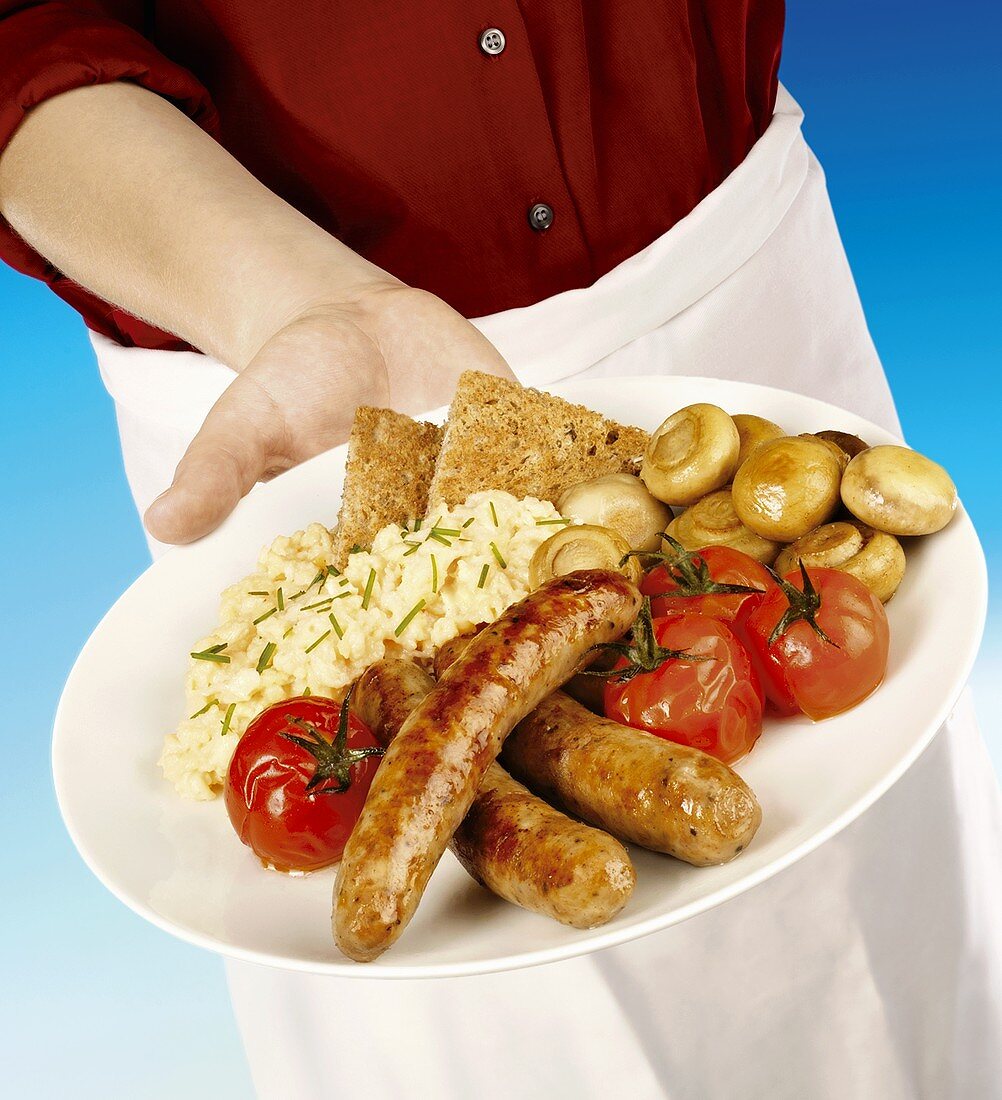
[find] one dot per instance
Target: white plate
(179, 865)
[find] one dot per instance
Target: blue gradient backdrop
(903, 108)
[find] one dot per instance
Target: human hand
(395, 347)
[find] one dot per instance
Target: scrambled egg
(296, 624)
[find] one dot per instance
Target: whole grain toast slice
(391, 460)
(500, 435)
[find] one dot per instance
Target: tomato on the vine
(818, 640)
(298, 780)
(715, 581)
(688, 679)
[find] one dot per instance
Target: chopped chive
(497, 556)
(494, 514)
(483, 575)
(337, 626)
(406, 620)
(264, 661)
(313, 606)
(198, 713)
(318, 579)
(217, 648)
(434, 574)
(449, 532)
(288, 632)
(266, 615)
(306, 690)
(257, 593)
(343, 581)
(227, 718)
(212, 655)
(417, 525)
(472, 519)
(296, 595)
(280, 600)
(367, 594)
(549, 522)
(438, 537)
(310, 648)
(414, 547)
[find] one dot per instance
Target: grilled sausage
(666, 797)
(431, 772)
(511, 842)
(641, 788)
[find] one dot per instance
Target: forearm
(125, 195)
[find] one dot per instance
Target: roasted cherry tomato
(688, 679)
(297, 782)
(714, 581)
(819, 641)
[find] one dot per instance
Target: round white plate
(180, 865)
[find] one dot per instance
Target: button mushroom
(622, 503)
(842, 456)
(582, 546)
(873, 557)
(851, 444)
(693, 452)
(712, 521)
(898, 490)
(753, 430)
(787, 487)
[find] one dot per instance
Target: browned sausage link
(666, 797)
(511, 842)
(431, 772)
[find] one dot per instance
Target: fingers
(233, 449)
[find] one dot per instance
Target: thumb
(233, 449)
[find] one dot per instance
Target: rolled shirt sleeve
(50, 48)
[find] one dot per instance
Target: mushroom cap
(851, 444)
(622, 503)
(787, 487)
(693, 452)
(753, 430)
(898, 490)
(712, 521)
(582, 546)
(873, 557)
(842, 456)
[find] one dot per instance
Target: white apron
(872, 968)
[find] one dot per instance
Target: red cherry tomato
(819, 643)
(699, 582)
(713, 703)
(297, 782)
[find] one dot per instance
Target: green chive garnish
(434, 574)
(227, 718)
(417, 526)
(313, 646)
(483, 575)
(306, 690)
(257, 593)
(266, 615)
(337, 626)
(320, 603)
(406, 620)
(438, 537)
(494, 514)
(497, 556)
(280, 599)
(367, 594)
(549, 522)
(264, 661)
(198, 713)
(213, 653)
(414, 547)
(288, 632)
(472, 519)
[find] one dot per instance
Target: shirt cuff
(52, 48)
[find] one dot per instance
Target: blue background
(902, 103)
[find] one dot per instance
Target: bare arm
(128, 197)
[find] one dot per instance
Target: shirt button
(492, 41)
(540, 216)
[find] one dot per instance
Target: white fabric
(871, 968)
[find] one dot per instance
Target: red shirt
(491, 169)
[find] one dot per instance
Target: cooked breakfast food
(432, 770)
(512, 842)
(531, 546)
